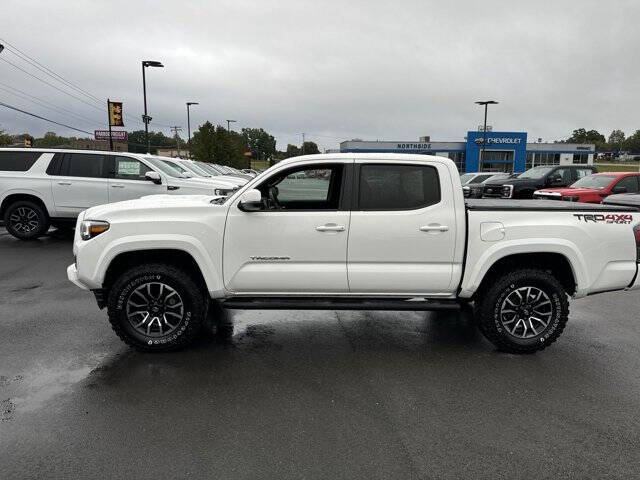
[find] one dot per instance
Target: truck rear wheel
(26, 220)
(523, 311)
(156, 307)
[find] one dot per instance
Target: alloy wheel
(24, 220)
(526, 312)
(155, 309)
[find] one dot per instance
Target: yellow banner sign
(115, 114)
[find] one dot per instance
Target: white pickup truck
(351, 231)
(43, 187)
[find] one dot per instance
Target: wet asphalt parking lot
(307, 394)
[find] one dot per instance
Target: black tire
(180, 302)
(26, 220)
(524, 330)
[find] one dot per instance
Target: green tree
(260, 143)
(310, 148)
(5, 139)
(50, 140)
(138, 143)
(583, 136)
(292, 151)
(616, 139)
(632, 143)
(203, 143)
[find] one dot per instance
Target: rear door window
(18, 161)
(397, 187)
(88, 165)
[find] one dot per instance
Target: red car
(594, 188)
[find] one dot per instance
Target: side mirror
(250, 201)
(619, 190)
(154, 177)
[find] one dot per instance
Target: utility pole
(175, 131)
(228, 124)
(486, 103)
(146, 118)
(109, 122)
(189, 125)
(302, 149)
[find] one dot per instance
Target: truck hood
(511, 181)
(204, 182)
(150, 203)
(572, 191)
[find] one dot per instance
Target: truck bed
(490, 204)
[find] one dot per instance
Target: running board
(338, 303)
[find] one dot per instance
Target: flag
(115, 114)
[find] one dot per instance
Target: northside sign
(414, 146)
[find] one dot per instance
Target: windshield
(164, 168)
(183, 171)
(197, 170)
(594, 181)
(466, 177)
(207, 168)
(536, 172)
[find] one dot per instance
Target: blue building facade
(503, 152)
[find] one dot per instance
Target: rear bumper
(635, 285)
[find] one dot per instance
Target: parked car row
(572, 183)
(41, 187)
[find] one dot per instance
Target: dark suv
(534, 179)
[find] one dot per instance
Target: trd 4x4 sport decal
(599, 218)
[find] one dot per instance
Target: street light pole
(189, 125)
(146, 118)
(486, 104)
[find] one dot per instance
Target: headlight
(507, 191)
(92, 228)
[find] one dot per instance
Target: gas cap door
(491, 231)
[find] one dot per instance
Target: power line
(43, 118)
(50, 84)
(17, 52)
(44, 103)
(34, 63)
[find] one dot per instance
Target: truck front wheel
(522, 311)
(156, 307)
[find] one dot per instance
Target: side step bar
(338, 303)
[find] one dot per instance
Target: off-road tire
(19, 208)
(192, 297)
(489, 310)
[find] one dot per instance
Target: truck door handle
(172, 187)
(330, 227)
(434, 228)
(64, 183)
(117, 186)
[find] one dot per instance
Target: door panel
(81, 183)
(298, 244)
(395, 250)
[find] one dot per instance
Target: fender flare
(489, 257)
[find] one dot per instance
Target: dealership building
(504, 151)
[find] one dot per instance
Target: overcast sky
(336, 70)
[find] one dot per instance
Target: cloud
(335, 70)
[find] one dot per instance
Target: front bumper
(72, 275)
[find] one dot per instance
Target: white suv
(40, 187)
